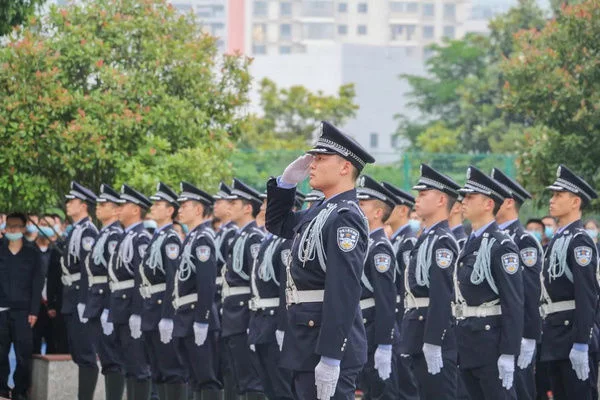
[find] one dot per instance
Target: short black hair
(17, 215)
(387, 210)
(450, 203)
(255, 206)
(497, 206)
(535, 221)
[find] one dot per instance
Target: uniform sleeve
(345, 264)
(583, 261)
(88, 239)
(37, 284)
(384, 288)
(441, 290)
(507, 273)
(206, 273)
(280, 220)
(531, 259)
(140, 248)
(170, 252)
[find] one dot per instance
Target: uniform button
(272, 312)
(241, 303)
(487, 327)
(420, 318)
(124, 296)
(364, 320)
(101, 291)
(311, 323)
(567, 322)
(396, 310)
(193, 306)
(221, 311)
(461, 264)
(76, 287)
(159, 301)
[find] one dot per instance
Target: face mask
(13, 236)
(68, 229)
(2, 226)
(593, 233)
(57, 229)
(31, 228)
(536, 234)
(46, 231)
(549, 232)
(414, 224)
(185, 228)
(150, 224)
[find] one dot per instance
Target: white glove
(433, 357)
(383, 362)
(526, 355)
(135, 326)
(506, 370)
(165, 329)
(107, 327)
(279, 335)
(326, 378)
(200, 333)
(80, 311)
(580, 362)
(298, 170)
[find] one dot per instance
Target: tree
(109, 91)
(16, 12)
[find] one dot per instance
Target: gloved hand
(527, 350)
(506, 370)
(433, 357)
(298, 170)
(200, 333)
(580, 360)
(80, 311)
(383, 361)
(279, 335)
(326, 378)
(165, 329)
(135, 326)
(253, 348)
(107, 327)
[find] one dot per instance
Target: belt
(462, 311)
(415, 302)
(68, 280)
(121, 285)
(257, 303)
(304, 296)
(552, 308)
(185, 300)
(234, 291)
(148, 291)
(219, 281)
(96, 280)
(367, 303)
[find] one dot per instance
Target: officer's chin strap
(424, 261)
(311, 242)
(558, 259)
(482, 268)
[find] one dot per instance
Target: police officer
(96, 308)
(570, 292)
(378, 299)
(266, 278)
(325, 344)
(531, 253)
(488, 295)
(245, 205)
(193, 309)
(75, 287)
(427, 327)
(125, 298)
(314, 196)
(456, 222)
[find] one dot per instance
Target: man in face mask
(31, 229)
(550, 226)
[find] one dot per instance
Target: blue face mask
(2, 226)
(31, 228)
(549, 232)
(46, 231)
(13, 236)
(57, 229)
(150, 224)
(593, 233)
(536, 234)
(414, 224)
(185, 228)
(68, 229)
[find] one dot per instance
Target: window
(342, 29)
(450, 11)
(428, 32)
(285, 9)
(428, 9)
(318, 31)
(402, 32)
(285, 50)
(363, 8)
(182, 7)
(449, 32)
(259, 32)
(394, 141)
(259, 49)
(261, 9)
(397, 6)
(342, 7)
(361, 30)
(285, 31)
(317, 9)
(374, 140)
(412, 7)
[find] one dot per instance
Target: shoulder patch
(142, 249)
(87, 243)
(583, 255)
(203, 253)
(382, 262)
(529, 256)
(510, 263)
(172, 250)
(443, 258)
(254, 249)
(285, 257)
(347, 238)
(112, 245)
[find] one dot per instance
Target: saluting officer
(325, 344)
(488, 295)
(378, 299)
(570, 292)
(245, 205)
(531, 253)
(75, 286)
(125, 298)
(427, 327)
(97, 306)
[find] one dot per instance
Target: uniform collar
(115, 224)
(506, 224)
(131, 227)
(439, 224)
(246, 226)
(162, 228)
(376, 232)
(573, 224)
(400, 230)
(347, 195)
(480, 231)
(82, 221)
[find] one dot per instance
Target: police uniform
(156, 275)
(125, 298)
(428, 294)
(531, 254)
(75, 287)
(323, 279)
(459, 231)
(314, 196)
(570, 295)
(488, 300)
(236, 295)
(98, 299)
(193, 303)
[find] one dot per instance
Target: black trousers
(135, 359)
(525, 382)
(81, 345)
(376, 389)
(243, 364)
(304, 385)
(15, 329)
(276, 381)
(109, 353)
(42, 331)
(202, 362)
(441, 386)
(565, 384)
(164, 363)
(483, 383)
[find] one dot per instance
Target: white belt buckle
(252, 304)
(145, 292)
(291, 297)
(458, 311)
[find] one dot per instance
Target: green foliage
(16, 12)
(114, 90)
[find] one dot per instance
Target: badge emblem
(172, 250)
(112, 245)
(254, 250)
(203, 253)
(583, 255)
(347, 238)
(443, 258)
(87, 243)
(286, 257)
(510, 263)
(382, 262)
(529, 256)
